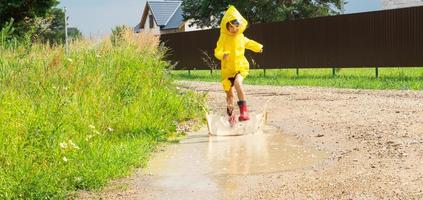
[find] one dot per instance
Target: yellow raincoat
(234, 45)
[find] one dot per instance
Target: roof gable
(176, 20)
(167, 14)
(163, 11)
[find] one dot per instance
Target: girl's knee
(238, 82)
(239, 77)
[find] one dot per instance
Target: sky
(98, 17)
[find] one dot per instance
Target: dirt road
(319, 144)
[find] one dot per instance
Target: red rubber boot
(243, 110)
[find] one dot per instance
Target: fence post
(377, 72)
(333, 72)
(189, 72)
(264, 72)
(211, 72)
(298, 71)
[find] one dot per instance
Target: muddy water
(198, 163)
(261, 153)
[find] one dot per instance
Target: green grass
(69, 123)
(364, 78)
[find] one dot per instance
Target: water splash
(219, 125)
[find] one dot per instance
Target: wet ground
(319, 144)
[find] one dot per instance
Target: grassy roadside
(74, 122)
(389, 78)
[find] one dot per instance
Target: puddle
(263, 153)
(237, 155)
(207, 167)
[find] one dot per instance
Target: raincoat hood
(232, 14)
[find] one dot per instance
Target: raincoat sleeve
(252, 45)
(218, 51)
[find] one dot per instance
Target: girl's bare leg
(230, 106)
(242, 104)
(238, 87)
(230, 98)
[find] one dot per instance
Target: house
(164, 16)
(391, 4)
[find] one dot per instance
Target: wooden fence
(390, 38)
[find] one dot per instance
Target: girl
(234, 66)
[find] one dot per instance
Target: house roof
(163, 10)
(137, 28)
(176, 20)
(166, 13)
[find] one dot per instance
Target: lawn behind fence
(357, 78)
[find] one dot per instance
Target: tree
(209, 12)
(74, 33)
(53, 28)
(22, 10)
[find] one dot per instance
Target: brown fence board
(391, 38)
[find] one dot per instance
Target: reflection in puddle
(249, 154)
(259, 154)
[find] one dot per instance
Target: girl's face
(233, 29)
